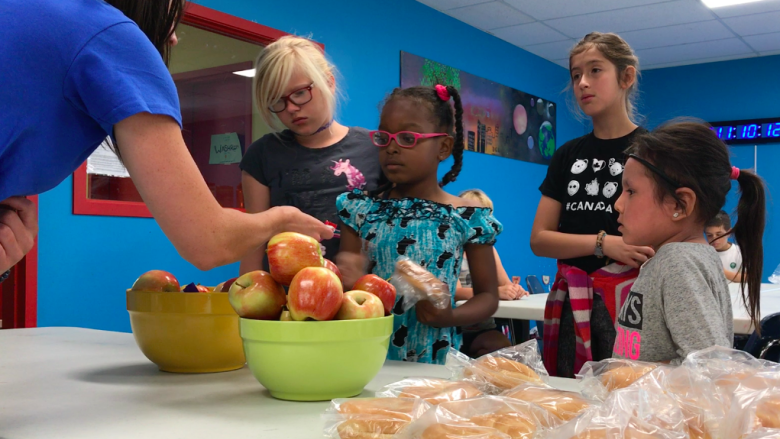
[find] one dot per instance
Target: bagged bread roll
(369, 427)
(371, 418)
(461, 431)
(759, 412)
(432, 390)
(599, 378)
(502, 370)
(394, 408)
(560, 403)
(414, 283)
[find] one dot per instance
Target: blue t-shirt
(71, 69)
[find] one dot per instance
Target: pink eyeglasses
(404, 139)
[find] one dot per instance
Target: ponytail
(457, 148)
(748, 232)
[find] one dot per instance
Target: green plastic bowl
(316, 361)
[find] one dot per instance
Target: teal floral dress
(430, 234)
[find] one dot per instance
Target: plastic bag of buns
(499, 371)
(599, 378)
(630, 413)
(698, 398)
(482, 417)
(434, 391)
(414, 283)
(562, 404)
(371, 418)
(754, 411)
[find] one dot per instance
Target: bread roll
(391, 408)
(501, 372)
(370, 427)
(438, 391)
(459, 431)
(768, 411)
(562, 404)
(516, 425)
(423, 281)
(623, 376)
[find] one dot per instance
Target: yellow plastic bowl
(316, 361)
(186, 332)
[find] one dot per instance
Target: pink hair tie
(441, 90)
(734, 172)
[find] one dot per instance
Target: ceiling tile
(755, 24)
(556, 50)
(491, 15)
(764, 43)
(563, 63)
(444, 5)
(636, 18)
(694, 51)
(528, 34)
(697, 61)
(677, 34)
(549, 9)
(747, 9)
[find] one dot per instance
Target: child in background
(313, 158)
(485, 337)
(675, 180)
(717, 230)
(413, 216)
(576, 222)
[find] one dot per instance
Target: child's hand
(352, 267)
(511, 292)
(428, 314)
(615, 248)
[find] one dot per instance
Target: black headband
(658, 172)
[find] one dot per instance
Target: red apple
(226, 285)
(202, 288)
(315, 293)
(379, 287)
(332, 267)
(156, 280)
(360, 305)
(256, 295)
(289, 253)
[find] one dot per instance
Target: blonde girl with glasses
(310, 158)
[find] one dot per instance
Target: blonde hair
(478, 196)
(278, 62)
(617, 51)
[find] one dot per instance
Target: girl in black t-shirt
(312, 158)
(576, 221)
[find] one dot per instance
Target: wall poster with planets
(498, 120)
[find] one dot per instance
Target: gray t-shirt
(679, 304)
(311, 179)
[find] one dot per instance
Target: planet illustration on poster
(520, 119)
(533, 102)
(541, 108)
(530, 142)
(549, 110)
(546, 140)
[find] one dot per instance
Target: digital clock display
(748, 131)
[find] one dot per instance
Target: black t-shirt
(311, 179)
(585, 176)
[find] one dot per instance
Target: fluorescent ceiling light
(720, 3)
(248, 73)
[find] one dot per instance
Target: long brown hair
(691, 154)
(156, 18)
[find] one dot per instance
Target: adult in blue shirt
(77, 71)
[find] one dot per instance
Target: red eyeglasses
(404, 139)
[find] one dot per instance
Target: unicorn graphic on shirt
(355, 178)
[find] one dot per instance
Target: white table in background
(532, 307)
(80, 383)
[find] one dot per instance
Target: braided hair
(442, 113)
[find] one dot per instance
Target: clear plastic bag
(414, 283)
(500, 371)
(432, 390)
(754, 411)
(599, 378)
(482, 417)
(630, 413)
(374, 418)
(562, 404)
(775, 276)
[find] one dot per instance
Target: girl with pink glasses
(412, 216)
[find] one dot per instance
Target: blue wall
(729, 90)
(86, 263)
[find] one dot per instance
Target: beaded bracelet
(5, 275)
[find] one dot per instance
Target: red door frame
(20, 290)
(203, 18)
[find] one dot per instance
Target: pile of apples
(162, 281)
(315, 290)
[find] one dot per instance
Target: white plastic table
(80, 383)
(532, 307)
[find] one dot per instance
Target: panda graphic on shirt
(593, 184)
